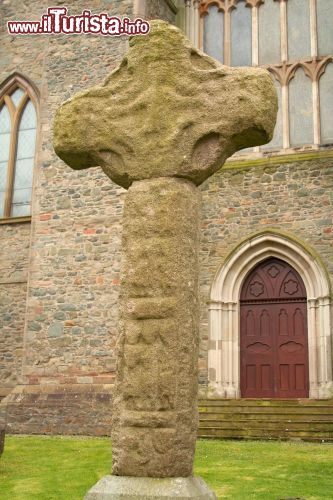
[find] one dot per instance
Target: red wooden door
(273, 333)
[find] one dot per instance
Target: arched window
(18, 123)
(213, 37)
(324, 21)
(300, 109)
(241, 35)
(269, 33)
(299, 38)
(326, 104)
(293, 39)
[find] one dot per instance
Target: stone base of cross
(164, 121)
(150, 488)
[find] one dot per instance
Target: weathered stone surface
(165, 120)
(158, 9)
(167, 110)
(155, 402)
(14, 249)
(84, 408)
(147, 488)
(60, 68)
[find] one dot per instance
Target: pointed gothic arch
(17, 79)
(224, 311)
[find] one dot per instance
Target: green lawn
(46, 468)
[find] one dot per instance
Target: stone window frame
(31, 93)
(224, 312)
(190, 19)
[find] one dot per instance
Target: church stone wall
(74, 267)
(161, 9)
(74, 264)
(294, 197)
(14, 253)
(16, 55)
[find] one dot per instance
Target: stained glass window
(326, 105)
(325, 25)
(298, 16)
(269, 33)
(241, 36)
(300, 109)
(5, 127)
(213, 33)
(17, 150)
(24, 162)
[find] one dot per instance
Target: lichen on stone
(168, 110)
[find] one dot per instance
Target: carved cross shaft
(164, 121)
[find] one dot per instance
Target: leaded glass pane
(22, 196)
(241, 36)
(4, 146)
(3, 175)
(299, 44)
(326, 105)
(269, 32)
(24, 161)
(276, 142)
(20, 210)
(23, 173)
(325, 27)
(5, 126)
(26, 144)
(4, 120)
(300, 109)
(213, 33)
(2, 202)
(17, 96)
(3, 181)
(28, 119)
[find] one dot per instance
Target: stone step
(268, 425)
(265, 434)
(279, 416)
(266, 402)
(266, 419)
(268, 410)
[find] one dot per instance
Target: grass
(49, 468)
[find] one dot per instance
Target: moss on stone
(270, 161)
(168, 110)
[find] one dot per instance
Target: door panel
(273, 333)
(292, 351)
(257, 352)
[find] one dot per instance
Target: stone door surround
(224, 311)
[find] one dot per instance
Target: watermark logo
(57, 21)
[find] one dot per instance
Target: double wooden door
(273, 333)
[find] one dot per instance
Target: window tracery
(18, 124)
(293, 39)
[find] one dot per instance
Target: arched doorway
(224, 369)
(273, 333)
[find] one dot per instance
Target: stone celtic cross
(164, 121)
